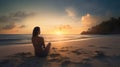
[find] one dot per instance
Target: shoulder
(37, 38)
(41, 38)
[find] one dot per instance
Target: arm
(43, 43)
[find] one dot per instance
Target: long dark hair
(36, 31)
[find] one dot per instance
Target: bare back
(38, 43)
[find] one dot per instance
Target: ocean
(19, 39)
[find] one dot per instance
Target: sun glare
(59, 33)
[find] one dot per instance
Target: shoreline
(78, 38)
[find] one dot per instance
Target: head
(36, 31)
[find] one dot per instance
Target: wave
(26, 39)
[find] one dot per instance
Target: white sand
(96, 52)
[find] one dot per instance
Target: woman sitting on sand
(38, 44)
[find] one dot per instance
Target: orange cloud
(65, 29)
(12, 29)
(89, 20)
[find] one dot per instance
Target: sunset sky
(54, 16)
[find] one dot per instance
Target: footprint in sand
(62, 50)
(54, 55)
(76, 52)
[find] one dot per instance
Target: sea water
(19, 39)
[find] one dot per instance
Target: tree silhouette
(111, 26)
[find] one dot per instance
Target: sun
(59, 33)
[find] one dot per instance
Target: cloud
(89, 20)
(15, 17)
(22, 26)
(70, 12)
(86, 21)
(9, 21)
(8, 27)
(12, 26)
(64, 27)
(5, 19)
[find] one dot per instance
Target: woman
(38, 43)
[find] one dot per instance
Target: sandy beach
(59, 33)
(91, 52)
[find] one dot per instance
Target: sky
(54, 16)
